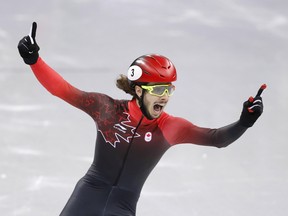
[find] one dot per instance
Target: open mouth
(158, 107)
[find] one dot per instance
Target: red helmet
(152, 68)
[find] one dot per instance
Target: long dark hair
(127, 86)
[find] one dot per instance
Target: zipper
(127, 153)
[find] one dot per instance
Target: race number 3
(134, 72)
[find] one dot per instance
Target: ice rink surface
(223, 51)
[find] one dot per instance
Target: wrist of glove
(28, 48)
(252, 110)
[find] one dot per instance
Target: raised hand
(28, 47)
(252, 109)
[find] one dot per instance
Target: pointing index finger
(261, 89)
(32, 33)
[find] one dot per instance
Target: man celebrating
(132, 135)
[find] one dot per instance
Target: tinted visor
(159, 90)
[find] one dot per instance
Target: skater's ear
(138, 91)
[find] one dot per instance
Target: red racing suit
(128, 146)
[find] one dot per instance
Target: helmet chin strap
(142, 106)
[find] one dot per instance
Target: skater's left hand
(252, 109)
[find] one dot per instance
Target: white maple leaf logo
(119, 131)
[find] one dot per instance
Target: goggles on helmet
(159, 90)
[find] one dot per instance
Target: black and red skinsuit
(128, 146)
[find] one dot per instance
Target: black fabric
(97, 198)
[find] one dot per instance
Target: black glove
(252, 109)
(28, 47)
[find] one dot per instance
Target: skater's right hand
(28, 47)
